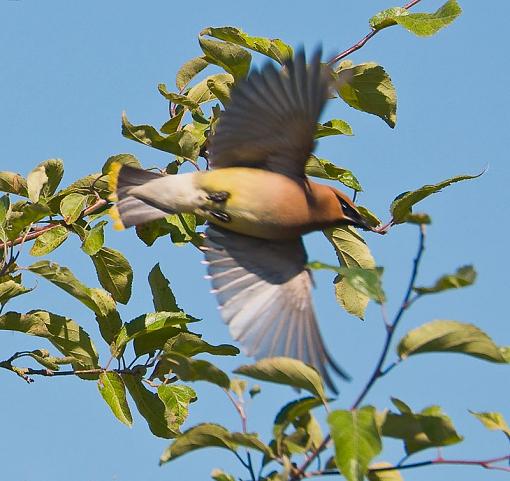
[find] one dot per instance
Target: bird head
(349, 213)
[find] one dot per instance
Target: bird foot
(218, 196)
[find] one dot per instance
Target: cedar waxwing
(258, 203)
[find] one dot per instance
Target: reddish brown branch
(365, 39)
(38, 231)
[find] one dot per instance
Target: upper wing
(264, 292)
(271, 119)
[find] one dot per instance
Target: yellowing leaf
(35, 182)
(72, 206)
(450, 336)
(494, 421)
(465, 276)
(49, 241)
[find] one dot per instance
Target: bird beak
(357, 220)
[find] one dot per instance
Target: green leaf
(401, 207)
(124, 159)
(325, 169)
(290, 413)
(189, 344)
(5, 204)
(181, 143)
(220, 89)
(367, 87)
(72, 206)
(366, 281)
(189, 70)
(188, 369)
(229, 56)
(387, 17)
(177, 99)
(369, 216)
(176, 399)
(333, 127)
(182, 229)
(65, 334)
(162, 296)
(151, 407)
(401, 405)
(90, 185)
(238, 386)
(493, 420)
(357, 441)
(30, 214)
(201, 93)
(171, 126)
(145, 324)
(112, 389)
(13, 183)
(288, 371)
(11, 287)
(426, 24)
(351, 251)
(54, 169)
(465, 276)
(419, 218)
(35, 182)
(94, 239)
(219, 475)
(114, 273)
(430, 428)
(273, 48)
(386, 475)
(97, 300)
(49, 241)
(207, 436)
(450, 336)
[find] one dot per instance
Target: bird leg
(218, 196)
(220, 215)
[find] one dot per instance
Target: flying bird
(258, 203)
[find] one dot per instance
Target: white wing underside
(264, 293)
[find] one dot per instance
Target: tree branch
(378, 372)
(365, 39)
(38, 231)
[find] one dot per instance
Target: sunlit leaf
(367, 87)
(72, 206)
(189, 70)
(494, 421)
(387, 17)
(54, 169)
(114, 273)
(288, 371)
(177, 99)
(189, 344)
(357, 441)
(65, 334)
(229, 56)
(112, 389)
(273, 48)
(35, 182)
(176, 399)
(13, 183)
(369, 216)
(351, 251)
(151, 407)
(325, 169)
(238, 386)
(10, 287)
(401, 207)
(219, 475)
(333, 127)
(188, 369)
(49, 241)
(162, 296)
(430, 428)
(94, 239)
(145, 324)
(465, 276)
(450, 336)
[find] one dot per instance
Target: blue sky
(68, 71)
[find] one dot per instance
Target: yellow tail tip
(113, 177)
(115, 215)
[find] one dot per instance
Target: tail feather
(129, 210)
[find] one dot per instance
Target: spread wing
(272, 117)
(264, 292)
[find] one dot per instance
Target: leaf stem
(364, 40)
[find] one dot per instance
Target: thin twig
(378, 372)
(364, 40)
